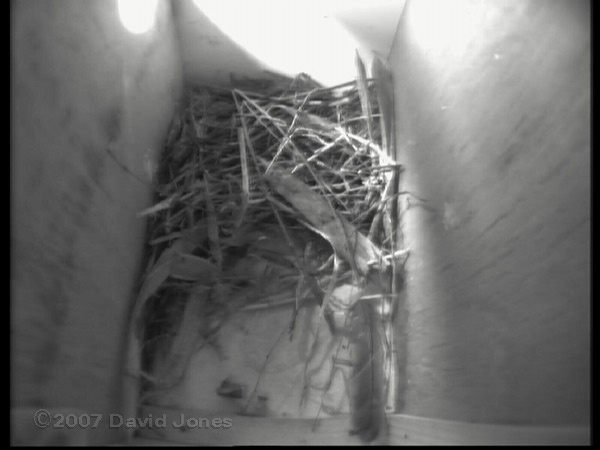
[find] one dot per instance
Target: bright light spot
(385, 308)
(445, 26)
(288, 37)
(137, 15)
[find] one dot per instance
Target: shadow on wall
(209, 55)
(88, 98)
(372, 27)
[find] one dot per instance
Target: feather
(367, 398)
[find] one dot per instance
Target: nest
(269, 192)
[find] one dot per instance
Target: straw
(270, 154)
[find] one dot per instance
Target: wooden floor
(254, 349)
(402, 430)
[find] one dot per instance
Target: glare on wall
(137, 16)
(444, 26)
(288, 37)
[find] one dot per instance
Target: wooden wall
(85, 93)
(492, 103)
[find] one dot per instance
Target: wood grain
(403, 430)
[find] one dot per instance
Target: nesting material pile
(265, 194)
